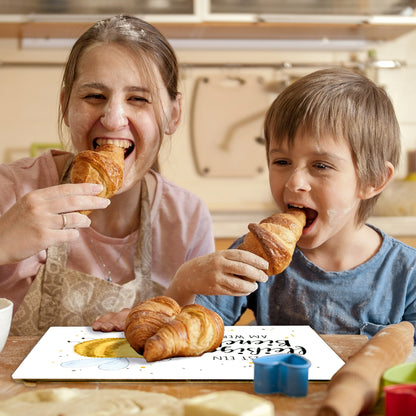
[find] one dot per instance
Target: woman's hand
(46, 217)
(113, 321)
(227, 272)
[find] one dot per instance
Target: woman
(61, 267)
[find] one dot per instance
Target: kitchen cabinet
(217, 19)
(295, 30)
(311, 7)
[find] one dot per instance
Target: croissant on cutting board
(146, 318)
(104, 166)
(194, 331)
(275, 238)
(187, 332)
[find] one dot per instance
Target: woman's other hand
(113, 321)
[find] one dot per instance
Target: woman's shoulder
(168, 186)
(40, 171)
(170, 193)
(61, 160)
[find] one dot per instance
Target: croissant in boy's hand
(104, 166)
(275, 238)
(158, 328)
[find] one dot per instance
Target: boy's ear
(372, 190)
(175, 115)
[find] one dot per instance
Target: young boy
(332, 143)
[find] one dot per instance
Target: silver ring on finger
(63, 221)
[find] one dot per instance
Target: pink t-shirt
(181, 230)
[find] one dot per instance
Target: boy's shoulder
(393, 258)
(390, 242)
(236, 243)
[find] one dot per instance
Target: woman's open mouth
(126, 145)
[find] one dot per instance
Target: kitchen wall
(30, 91)
(401, 86)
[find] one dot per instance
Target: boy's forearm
(183, 297)
(181, 287)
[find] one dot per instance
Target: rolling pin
(354, 388)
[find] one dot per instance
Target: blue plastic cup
(281, 373)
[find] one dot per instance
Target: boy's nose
(114, 117)
(298, 181)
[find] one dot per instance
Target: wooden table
(17, 348)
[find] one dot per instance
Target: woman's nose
(114, 117)
(298, 181)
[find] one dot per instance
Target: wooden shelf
(286, 31)
(228, 30)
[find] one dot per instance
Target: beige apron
(62, 297)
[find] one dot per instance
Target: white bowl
(6, 312)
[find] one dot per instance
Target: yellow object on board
(106, 348)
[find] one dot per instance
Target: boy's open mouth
(310, 213)
(127, 145)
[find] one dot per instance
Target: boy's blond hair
(345, 105)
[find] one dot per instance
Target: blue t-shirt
(380, 292)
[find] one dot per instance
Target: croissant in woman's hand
(104, 166)
(275, 238)
(158, 328)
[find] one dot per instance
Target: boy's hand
(227, 272)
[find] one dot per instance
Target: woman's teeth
(124, 144)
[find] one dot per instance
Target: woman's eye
(140, 99)
(95, 96)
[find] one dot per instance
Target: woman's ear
(372, 190)
(175, 115)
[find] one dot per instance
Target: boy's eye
(322, 166)
(281, 162)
